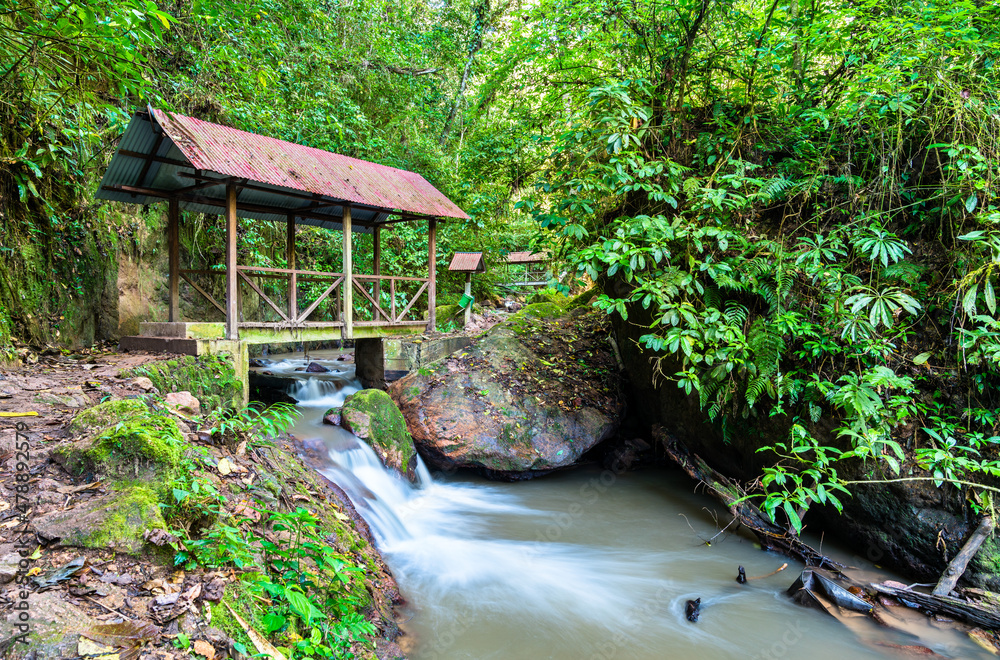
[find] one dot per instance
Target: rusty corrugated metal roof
(468, 262)
(237, 153)
(282, 178)
(527, 257)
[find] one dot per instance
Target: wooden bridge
(198, 166)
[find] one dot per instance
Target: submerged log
(946, 605)
(770, 535)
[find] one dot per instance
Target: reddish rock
(183, 403)
(532, 395)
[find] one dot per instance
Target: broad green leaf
(970, 204)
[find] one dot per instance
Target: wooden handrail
(390, 277)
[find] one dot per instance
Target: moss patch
(133, 511)
(210, 378)
(583, 299)
(125, 435)
(109, 413)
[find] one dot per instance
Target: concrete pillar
(468, 292)
(369, 362)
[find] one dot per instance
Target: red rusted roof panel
(236, 153)
(527, 257)
(467, 262)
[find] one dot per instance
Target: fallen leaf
(69, 490)
(95, 651)
(201, 647)
(225, 467)
(127, 633)
(61, 574)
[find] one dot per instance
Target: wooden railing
(375, 296)
(383, 299)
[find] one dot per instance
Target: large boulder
(372, 416)
(531, 395)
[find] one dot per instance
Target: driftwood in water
(771, 536)
(957, 566)
(953, 607)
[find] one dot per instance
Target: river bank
(163, 549)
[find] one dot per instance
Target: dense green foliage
(797, 201)
(805, 218)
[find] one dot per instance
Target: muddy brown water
(586, 564)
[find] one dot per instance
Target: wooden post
(377, 265)
(431, 273)
(468, 292)
(293, 278)
(174, 252)
(348, 286)
(232, 283)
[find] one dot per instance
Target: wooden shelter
(203, 167)
(527, 269)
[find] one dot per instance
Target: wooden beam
(149, 159)
(206, 294)
(210, 201)
(173, 252)
(431, 273)
(264, 297)
(293, 277)
(232, 282)
(377, 265)
(309, 310)
(302, 212)
(348, 289)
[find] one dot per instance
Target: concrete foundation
(374, 356)
(409, 354)
(369, 363)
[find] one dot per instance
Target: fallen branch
(771, 536)
(958, 565)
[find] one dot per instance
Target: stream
(584, 564)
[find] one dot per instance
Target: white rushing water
(583, 564)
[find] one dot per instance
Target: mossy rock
(582, 299)
(545, 310)
(549, 296)
(210, 378)
(444, 312)
(373, 416)
(124, 436)
(117, 520)
(103, 415)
